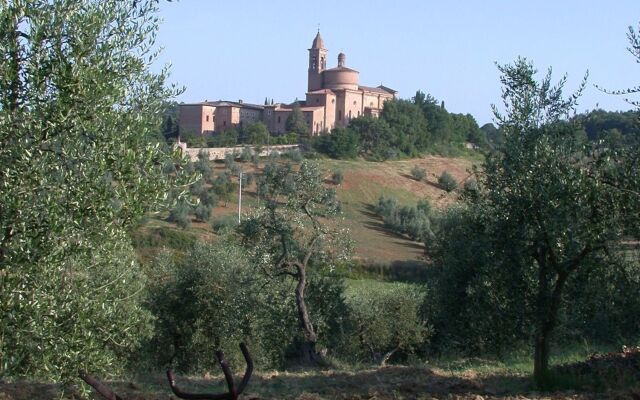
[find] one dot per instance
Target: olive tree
(291, 231)
(544, 196)
(77, 107)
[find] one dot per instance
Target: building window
(278, 119)
(339, 115)
(349, 114)
(317, 100)
(207, 118)
(333, 101)
(355, 102)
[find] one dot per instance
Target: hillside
(363, 184)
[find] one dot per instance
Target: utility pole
(240, 198)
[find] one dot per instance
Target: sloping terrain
(364, 182)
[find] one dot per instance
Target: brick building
(334, 96)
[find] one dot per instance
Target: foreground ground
(614, 375)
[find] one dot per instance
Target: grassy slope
(363, 183)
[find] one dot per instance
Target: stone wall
(219, 153)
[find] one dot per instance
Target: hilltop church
(334, 96)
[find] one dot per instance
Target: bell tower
(317, 63)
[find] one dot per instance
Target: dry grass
(363, 184)
(394, 382)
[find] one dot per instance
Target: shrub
(224, 187)
(418, 173)
(229, 160)
(246, 154)
(225, 223)
(470, 190)
(203, 165)
(180, 215)
(163, 237)
(214, 299)
(337, 177)
(293, 155)
(447, 182)
(203, 212)
(197, 187)
(255, 160)
(209, 198)
(386, 321)
(247, 179)
(413, 221)
(235, 170)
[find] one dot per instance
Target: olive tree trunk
(309, 354)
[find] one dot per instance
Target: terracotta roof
(388, 89)
(341, 69)
(310, 108)
(236, 104)
(318, 43)
(321, 91)
(377, 89)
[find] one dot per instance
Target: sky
(252, 49)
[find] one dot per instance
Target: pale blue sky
(254, 49)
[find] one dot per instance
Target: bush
(203, 212)
(293, 155)
(447, 182)
(229, 160)
(247, 179)
(337, 177)
(235, 170)
(203, 165)
(180, 215)
(484, 289)
(197, 187)
(418, 173)
(214, 299)
(386, 321)
(166, 237)
(225, 223)
(224, 187)
(209, 198)
(471, 190)
(246, 154)
(413, 221)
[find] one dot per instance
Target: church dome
(318, 43)
(341, 78)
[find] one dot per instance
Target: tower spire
(317, 62)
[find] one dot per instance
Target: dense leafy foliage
(406, 128)
(78, 106)
(386, 322)
(288, 234)
(213, 299)
(551, 209)
(413, 221)
(296, 122)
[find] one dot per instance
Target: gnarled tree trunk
(309, 354)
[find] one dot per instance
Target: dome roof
(318, 43)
